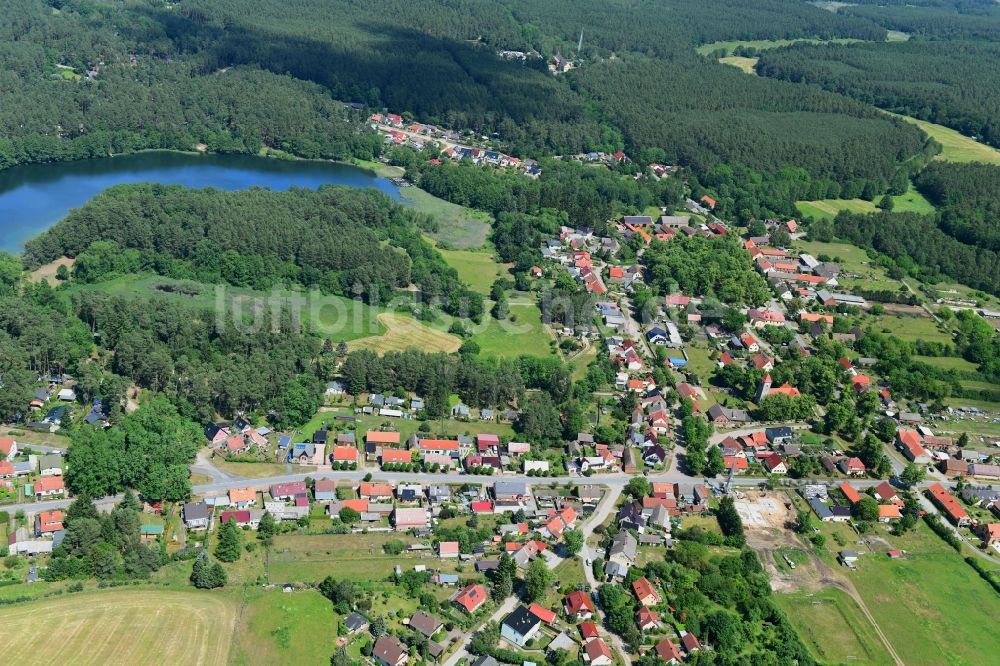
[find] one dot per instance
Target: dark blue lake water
(36, 196)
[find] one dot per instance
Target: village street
(604, 509)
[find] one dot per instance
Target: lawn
(477, 269)
(458, 227)
(252, 470)
(309, 558)
(746, 65)
(405, 427)
(333, 316)
(522, 334)
(286, 628)
(405, 332)
(931, 600)
(139, 626)
(762, 44)
(956, 147)
(833, 628)
(700, 362)
(948, 363)
(912, 328)
(909, 202)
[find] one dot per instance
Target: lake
(34, 197)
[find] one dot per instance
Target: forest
(920, 247)
(103, 79)
(342, 240)
(955, 84)
(932, 19)
(967, 197)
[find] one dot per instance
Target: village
(478, 546)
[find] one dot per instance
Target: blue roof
(284, 441)
(678, 362)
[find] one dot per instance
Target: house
(738, 464)
(242, 498)
(376, 492)
(597, 653)
(578, 606)
(645, 592)
(196, 515)
(445, 447)
(948, 504)
(471, 598)
(690, 642)
(404, 519)
(723, 415)
(344, 454)
(241, 518)
(447, 549)
(50, 464)
(511, 491)
(989, 533)
(380, 438)
(355, 623)
(289, 491)
(850, 493)
(544, 614)
(779, 436)
(335, 389)
(438, 493)
(821, 510)
(848, 557)
(908, 442)
(425, 623)
(48, 522)
(390, 456)
(8, 448)
(325, 490)
(49, 486)
(647, 620)
(520, 626)
(886, 493)
(774, 464)
(888, 513)
(852, 467)
(623, 549)
(390, 652)
(668, 652)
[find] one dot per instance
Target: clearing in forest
(405, 332)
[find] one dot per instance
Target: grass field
(121, 627)
(956, 147)
(910, 202)
(458, 227)
(930, 603)
(251, 470)
(311, 558)
(852, 259)
(833, 628)
(912, 328)
(762, 44)
(948, 363)
(404, 332)
(522, 334)
(279, 628)
(746, 65)
(477, 269)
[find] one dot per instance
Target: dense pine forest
(955, 84)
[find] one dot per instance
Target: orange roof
(348, 453)
(643, 588)
(811, 316)
(785, 389)
(242, 494)
(6, 444)
(471, 598)
(396, 455)
(616, 272)
(439, 445)
(850, 493)
(578, 601)
(359, 505)
(49, 483)
(379, 437)
(50, 521)
(376, 490)
(542, 613)
(739, 463)
(889, 511)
